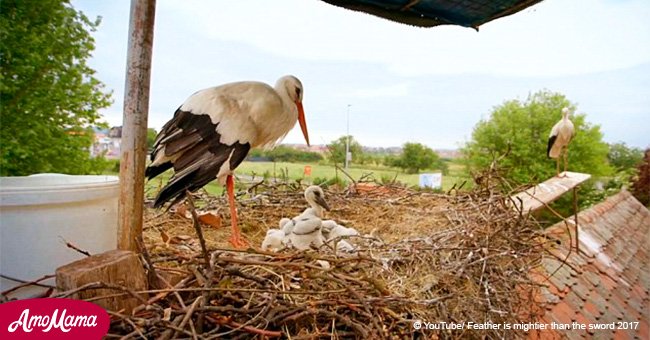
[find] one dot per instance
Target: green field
(294, 171)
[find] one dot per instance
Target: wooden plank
(544, 193)
(134, 129)
(118, 267)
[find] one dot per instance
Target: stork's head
(293, 88)
(316, 197)
(565, 112)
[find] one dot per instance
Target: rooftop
(608, 281)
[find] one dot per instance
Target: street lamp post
(347, 141)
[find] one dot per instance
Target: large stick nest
(437, 258)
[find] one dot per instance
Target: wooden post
(115, 267)
(134, 129)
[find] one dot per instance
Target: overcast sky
(428, 85)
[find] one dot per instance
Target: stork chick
(558, 141)
(307, 226)
(274, 240)
(327, 227)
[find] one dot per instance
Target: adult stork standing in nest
(558, 141)
(213, 130)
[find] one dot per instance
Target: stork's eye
(317, 193)
(297, 92)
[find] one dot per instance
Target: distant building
(107, 143)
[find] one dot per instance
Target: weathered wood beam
(134, 128)
(545, 193)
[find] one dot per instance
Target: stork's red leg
(235, 239)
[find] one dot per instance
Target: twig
(189, 313)
(346, 174)
(73, 247)
(197, 227)
(25, 284)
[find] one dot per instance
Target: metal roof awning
(429, 13)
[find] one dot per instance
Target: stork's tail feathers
(155, 170)
(168, 192)
(174, 190)
(551, 141)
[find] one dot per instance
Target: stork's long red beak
(303, 123)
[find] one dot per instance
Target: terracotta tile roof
(608, 282)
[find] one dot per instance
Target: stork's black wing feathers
(199, 154)
(154, 170)
(166, 132)
(551, 141)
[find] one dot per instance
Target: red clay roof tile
(608, 281)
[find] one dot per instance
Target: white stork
(559, 139)
(212, 132)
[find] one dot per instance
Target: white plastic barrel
(39, 213)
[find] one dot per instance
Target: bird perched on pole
(559, 139)
(213, 130)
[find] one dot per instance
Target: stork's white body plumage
(340, 231)
(558, 140)
(307, 230)
(327, 227)
(213, 130)
(286, 225)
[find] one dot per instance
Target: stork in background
(213, 130)
(558, 141)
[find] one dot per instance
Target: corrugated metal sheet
(429, 13)
(609, 281)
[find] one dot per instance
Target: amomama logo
(52, 319)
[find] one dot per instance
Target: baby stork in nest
(304, 230)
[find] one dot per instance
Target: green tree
(151, 137)
(415, 157)
(49, 95)
(641, 182)
(623, 157)
(284, 153)
(337, 149)
(520, 131)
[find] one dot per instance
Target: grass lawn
(295, 171)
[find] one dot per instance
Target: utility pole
(347, 141)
